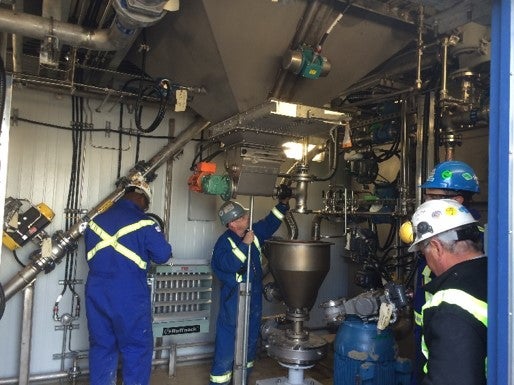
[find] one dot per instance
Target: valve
(203, 180)
(23, 221)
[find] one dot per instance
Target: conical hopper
(299, 268)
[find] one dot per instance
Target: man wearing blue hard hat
(448, 180)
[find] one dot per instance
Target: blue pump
(366, 356)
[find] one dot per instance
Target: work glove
(284, 194)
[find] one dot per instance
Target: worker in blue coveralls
(229, 264)
(120, 245)
(448, 180)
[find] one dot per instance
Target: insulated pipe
(120, 33)
(63, 242)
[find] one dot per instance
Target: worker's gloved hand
(284, 194)
(248, 238)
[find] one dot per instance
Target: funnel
(299, 268)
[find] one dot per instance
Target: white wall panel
(39, 170)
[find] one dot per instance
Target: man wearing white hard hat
(454, 319)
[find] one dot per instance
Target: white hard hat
(437, 216)
(141, 187)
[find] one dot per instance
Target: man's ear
(438, 249)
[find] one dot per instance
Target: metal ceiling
(231, 49)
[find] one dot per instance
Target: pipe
(334, 156)
(418, 82)
(443, 94)
(17, 42)
(243, 318)
(26, 334)
(126, 24)
(62, 242)
(404, 174)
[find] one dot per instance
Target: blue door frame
(499, 237)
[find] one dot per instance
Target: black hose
(2, 92)
(157, 220)
(2, 301)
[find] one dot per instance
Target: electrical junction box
(181, 297)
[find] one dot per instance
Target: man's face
(438, 193)
(240, 224)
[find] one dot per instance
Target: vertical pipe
(404, 177)
(444, 92)
(419, 47)
(26, 334)
(243, 319)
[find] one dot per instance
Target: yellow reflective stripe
(424, 350)
(241, 256)
(276, 212)
(112, 240)
(476, 307)
(426, 275)
(418, 318)
(237, 252)
(221, 379)
(249, 364)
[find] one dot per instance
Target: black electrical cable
(15, 255)
(199, 155)
(157, 219)
(120, 142)
(162, 89)
(2, 301)
(2, 92)
(97, 130)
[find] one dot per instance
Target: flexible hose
(2, 301)
(157, 219)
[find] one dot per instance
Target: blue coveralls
(120, 244)
(228, 263)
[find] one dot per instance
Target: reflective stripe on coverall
(120, 245)
(460, 298)
(108, 240)
(221, 372)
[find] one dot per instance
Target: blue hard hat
(230, 211)
(452, 175)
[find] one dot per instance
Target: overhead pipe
(121, 33)
(64, 242)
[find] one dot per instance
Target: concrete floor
(265, 368)
(197, 373)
